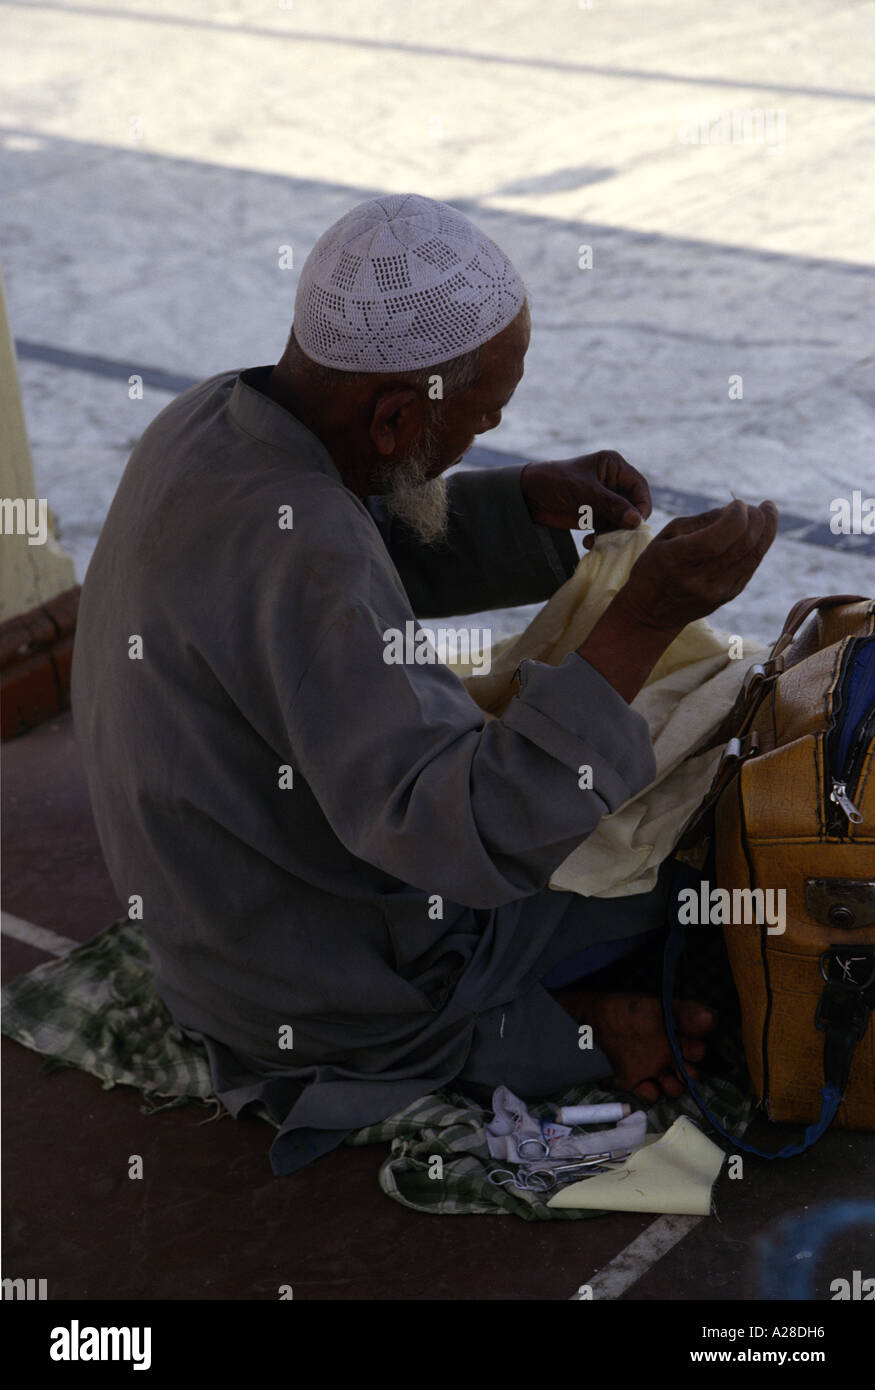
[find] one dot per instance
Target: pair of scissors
(503, 1177)
(545, 1179)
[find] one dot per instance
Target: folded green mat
(96, 1009)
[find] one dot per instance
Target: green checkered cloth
(96, 1009)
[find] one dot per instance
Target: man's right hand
(698, 563)
(694, 565)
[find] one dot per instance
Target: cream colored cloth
(685, 699)
(674, 1176)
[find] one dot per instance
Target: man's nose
(489, 422)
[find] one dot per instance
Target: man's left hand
(616, 493)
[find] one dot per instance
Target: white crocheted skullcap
(402, 282)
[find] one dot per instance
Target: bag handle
(755, 686)
(802, 610)
(843, 1031)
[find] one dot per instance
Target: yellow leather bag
(792, 813)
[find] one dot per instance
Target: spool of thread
(593, 1114)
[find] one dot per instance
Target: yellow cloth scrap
(673, 1176)
(686, 698)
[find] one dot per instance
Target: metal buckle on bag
(738, 749)
(753, 680)
(846, 903)
(845, 1002)
(843, 965)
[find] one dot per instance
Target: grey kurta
(311, 906)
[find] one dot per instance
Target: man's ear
(397, 419)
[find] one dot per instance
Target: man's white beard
(418, 502)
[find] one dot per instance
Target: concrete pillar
(30, 575)
(38, 591)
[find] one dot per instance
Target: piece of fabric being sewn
(685, 699)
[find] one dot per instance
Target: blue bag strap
(831, 1093)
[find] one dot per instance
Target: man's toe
(692, 1050)
(647, 1091)
(671, 1085)
(694, 1019)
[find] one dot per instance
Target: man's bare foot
(629, 1029)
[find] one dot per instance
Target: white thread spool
(593, 1114)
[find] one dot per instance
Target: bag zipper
(841, 789)
(839, 795)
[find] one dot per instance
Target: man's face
(477, 410)
(415, 490)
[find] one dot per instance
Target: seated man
(342, 866)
